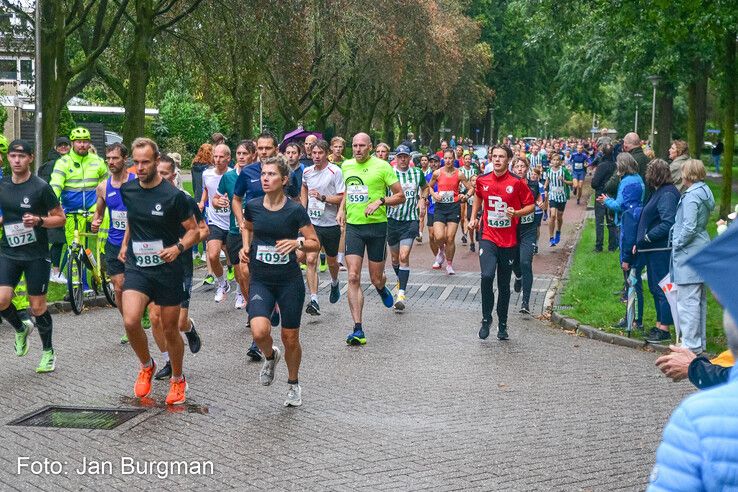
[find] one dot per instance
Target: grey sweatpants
(692, 310)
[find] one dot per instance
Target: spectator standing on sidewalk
(604, 171)
(656, 221)
(717, 152)
(632, 145)
(678, 155)
(688, 236)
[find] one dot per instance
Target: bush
(181, 116)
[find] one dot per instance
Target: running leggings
(494, 260)
(523, 265)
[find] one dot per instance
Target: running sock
(400, 292)
(44, 325)
(396, 268)
(165, 357)
(341, 257)
(11, 314)
(222, 280)
(404, 274)
(292, 381)
(358, 326)
(314, 297)
(238, 289)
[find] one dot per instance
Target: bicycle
(78, 255)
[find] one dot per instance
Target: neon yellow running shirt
(365, 183)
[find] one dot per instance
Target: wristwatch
(300, 243)
(322, 198)
(180, 247)
(40, 221)
(382, 200)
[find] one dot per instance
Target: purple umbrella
(297, 135)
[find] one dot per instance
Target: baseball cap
(61, 141)
(402, 149)
(434, 157)
(21, 146)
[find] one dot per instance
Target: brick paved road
(425, 404)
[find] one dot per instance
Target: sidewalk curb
(65, 307)
(570, 324)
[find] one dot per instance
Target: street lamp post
(638, 98)
(261, 108)
(37, 68)
(655, 79)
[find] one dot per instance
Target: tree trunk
(139, 71)
(244, 116)
(696, 110)
(495, 128)
(664, 119)
(54, 72)
(388, 124)
(730, 88)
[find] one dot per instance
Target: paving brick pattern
(424, 405)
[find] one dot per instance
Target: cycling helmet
(3, 144)
(79, 133)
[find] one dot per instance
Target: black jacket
(704, 374)
(44, 172)
(657, 218)
(605, 169)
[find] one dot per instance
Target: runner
(218, 217)
(108, 197)
(527, 232)
(436, 246)
(468, 171)
(247, 187)
(502, 199)
(271, 227)
(156, 211)
(338, 145)
(448, 209)
(558, 180)
(382, 151)
(402, 220)
(29, 207)
(167, 170)
(245, 153)
(363, 210)
(473, 236)
(322, 193)
(579, 161)
(423, 205)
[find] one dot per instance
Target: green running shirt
(365, 183)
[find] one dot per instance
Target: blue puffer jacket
(631, 191)
(699, 450)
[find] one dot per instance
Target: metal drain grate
(78, 417)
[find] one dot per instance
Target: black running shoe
(312, 308)
(193, 338)
(524, 309)
(484, 330)
(502, 333)
(658, 336)
(518, 286)
(254, 352)
(472, 248)
(335, 293)
(165, 372)
(463, 239)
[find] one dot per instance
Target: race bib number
(147, 253)
(119, 219)
(19, 235)
(270, 256)
(497, 217)
(358, 193)
(447, 197)
(410, 190)
(315, 208)
(527, 219)
(222, 211)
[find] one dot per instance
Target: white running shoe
(294, 396)
(222, 291)
(57, 278)
(436, 265)
(240, 301)
(266, 376)
(440, 258)
(450, 270)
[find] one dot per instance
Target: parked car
(112, 137)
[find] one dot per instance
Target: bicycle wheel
(107, 287)
(74, 283)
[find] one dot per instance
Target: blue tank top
(118, 214)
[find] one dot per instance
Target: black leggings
(494, 260)
(523, 265)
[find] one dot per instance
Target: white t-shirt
(328, 181)
(219, 217)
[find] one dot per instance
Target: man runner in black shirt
(29, 207)
(151, 246)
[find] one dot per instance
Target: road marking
(446, 292)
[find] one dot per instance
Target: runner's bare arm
(124, 246)
(203, 229)
(247, 229)
(341, 215)
(97, 218)
(304, 195)
(56, 218)
(309, 241)
(204, 198)
(237, 209)
(188, 240)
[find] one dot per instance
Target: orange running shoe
(177, 390)
(142, 388)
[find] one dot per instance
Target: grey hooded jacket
(688, 235)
